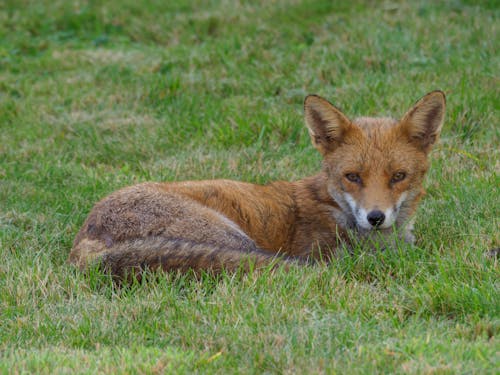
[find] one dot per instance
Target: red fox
(369, 185)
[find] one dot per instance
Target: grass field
(95, 97)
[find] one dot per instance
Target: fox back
(369, 187)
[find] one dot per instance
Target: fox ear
(422, 123)
(326, 124)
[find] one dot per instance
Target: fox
(369, 185)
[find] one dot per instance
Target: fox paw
(409, 237)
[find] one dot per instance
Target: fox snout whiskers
(374, 218)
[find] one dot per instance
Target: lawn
(95, 97)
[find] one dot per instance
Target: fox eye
(353, 177)
(399, 176)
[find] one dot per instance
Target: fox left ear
(423, 123)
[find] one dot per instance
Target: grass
(94, 97)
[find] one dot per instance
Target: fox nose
(376, 218)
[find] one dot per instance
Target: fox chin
(369, 186)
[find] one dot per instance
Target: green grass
(95, 97)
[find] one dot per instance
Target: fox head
(375, 166)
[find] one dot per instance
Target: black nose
(376, 218)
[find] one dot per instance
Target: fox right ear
(326, 124)
(422, 123)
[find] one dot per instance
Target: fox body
(369, 185)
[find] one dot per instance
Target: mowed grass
(95, 97)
